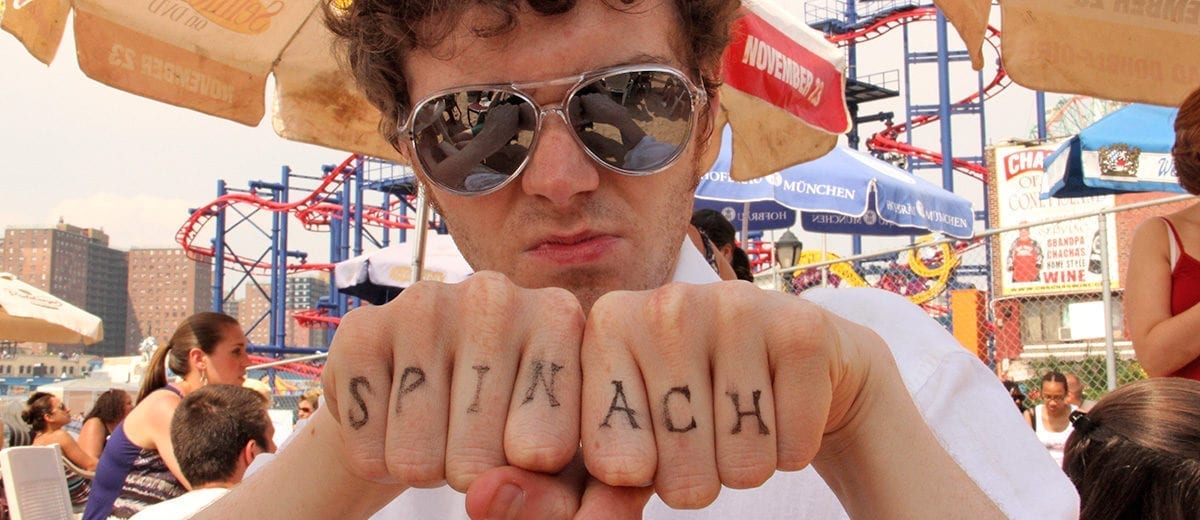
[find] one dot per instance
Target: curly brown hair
(374, 36)
(1186, 151)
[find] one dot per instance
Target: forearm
(314, 453)
(884, 462)
(1171, 344)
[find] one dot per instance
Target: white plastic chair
(35, 483)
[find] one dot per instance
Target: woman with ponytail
(46, 415)
(138, 465)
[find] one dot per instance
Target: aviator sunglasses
(475, 139)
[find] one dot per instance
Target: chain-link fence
(1026, 299)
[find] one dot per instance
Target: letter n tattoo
(757, 413)
(406, 387)
(539, 376)
(619, 395)
(356, 394)
(666, 403)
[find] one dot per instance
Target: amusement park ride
(365, 200)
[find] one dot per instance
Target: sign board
(1047, 259)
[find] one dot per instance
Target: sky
(94, 156)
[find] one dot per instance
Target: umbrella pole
(825, 258)
(745, 222)
(422, 225)
(1110, 356)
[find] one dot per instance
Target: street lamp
(787, 252)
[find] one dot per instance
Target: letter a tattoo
(409, 387)
(481, 370)
(629, 412)
(666, 402)
(539, 376)
(355, 382)
(757, 413)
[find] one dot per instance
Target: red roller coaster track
(314, 212)
(887, 139)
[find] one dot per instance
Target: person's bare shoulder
(1150, 238)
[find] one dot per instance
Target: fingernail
(507, 503)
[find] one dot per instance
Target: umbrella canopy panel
(31, 314)
(213, 57)
(852, 184)
(1128, 150)
(1129, 51)
(380, 275)
(782, 78)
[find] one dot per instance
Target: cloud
(142, 221)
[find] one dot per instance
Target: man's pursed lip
(579, 248)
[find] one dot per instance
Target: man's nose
(559, 168)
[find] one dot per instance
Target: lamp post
(787, 253)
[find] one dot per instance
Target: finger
(616, 427)
(802, 387)
(511, 492)
(418, 396)
(744, 408)
(542, 431)
(358, 376)
(601, 501)
(487, 351)
(671, 351)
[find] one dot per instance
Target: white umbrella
(380, 275)
(31, 314)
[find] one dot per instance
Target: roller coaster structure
(364, 199)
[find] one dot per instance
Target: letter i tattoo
(480, 370)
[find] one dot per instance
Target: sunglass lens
(472, 141)
(636, 122)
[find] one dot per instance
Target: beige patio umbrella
(784, 98)
(31, 314)
(1127, 51)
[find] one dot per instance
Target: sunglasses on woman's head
(474, 140)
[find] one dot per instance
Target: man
(216, 431)
(572, 340)
(1025, 258)
(1075, 388)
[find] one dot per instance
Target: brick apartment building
(302, 293)
(76, 265)
(165, 286)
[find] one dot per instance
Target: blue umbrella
(1128, 150)
(751, 216)
(846, 191)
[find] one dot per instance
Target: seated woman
(138, 466)
(1136, 454)
(110, 409)
(46, 415)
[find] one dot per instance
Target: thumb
(513, 493)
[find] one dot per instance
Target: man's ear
(249, 451)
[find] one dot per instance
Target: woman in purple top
(138, 466)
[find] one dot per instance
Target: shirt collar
(692, 267)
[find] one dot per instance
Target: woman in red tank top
(1165, 324)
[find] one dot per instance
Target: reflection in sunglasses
(634, 119)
